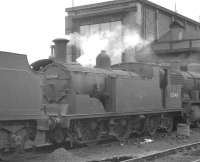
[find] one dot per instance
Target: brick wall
(190, 26)
(164, 22)
(150, 24)
(155, 23)
(129, 20)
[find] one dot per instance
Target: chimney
(60, 49)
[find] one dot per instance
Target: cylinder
(60, 49)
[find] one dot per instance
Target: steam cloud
(114, 43)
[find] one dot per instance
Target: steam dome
(103, 60)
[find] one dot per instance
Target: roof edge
(101, 4)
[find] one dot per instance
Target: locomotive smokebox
(103, 60)
(60, 49)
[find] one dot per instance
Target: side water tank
(20, 95)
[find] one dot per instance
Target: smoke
(121, 40)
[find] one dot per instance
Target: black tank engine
(54, 101)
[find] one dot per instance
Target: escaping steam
(113, 42)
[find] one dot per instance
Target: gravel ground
(135, 148)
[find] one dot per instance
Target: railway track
(152, 156)
(27, 153)
(38, 153)
(198, 160)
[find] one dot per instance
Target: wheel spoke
(119, 129)
(57, 135)
(198, 123)
(169, 124)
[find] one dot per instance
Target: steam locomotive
(54, 101)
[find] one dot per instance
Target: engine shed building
(150, 20)
(178, 45)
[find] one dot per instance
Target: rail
(151, 156)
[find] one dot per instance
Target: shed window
(88, 30)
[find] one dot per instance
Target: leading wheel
(152, 124)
